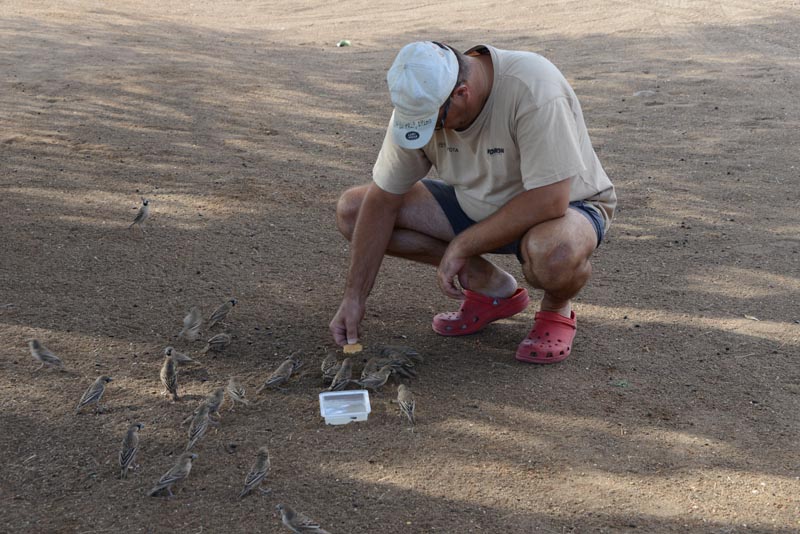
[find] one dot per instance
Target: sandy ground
(242, 122)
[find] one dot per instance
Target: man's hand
(453, 265)
(344, 325)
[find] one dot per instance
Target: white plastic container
(342, 407)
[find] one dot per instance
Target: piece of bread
(352, 349)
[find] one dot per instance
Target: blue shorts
(445, 195)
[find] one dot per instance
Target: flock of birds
(391, 361)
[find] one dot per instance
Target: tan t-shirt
(529, 134)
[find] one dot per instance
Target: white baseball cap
(420, 81)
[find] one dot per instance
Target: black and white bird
(198, 427)
(217, 343)
(298, 522)
(257, 473)
(130, 444)
(330, 366)
(178, 472)
(405, 399)
(169, 377)
(280, 375)
(141, 215)
(221, 312)
(93, 394)
(343, 376)
(236, 392)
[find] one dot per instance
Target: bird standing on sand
(257, 473)
(130, 444)
(198, 427)
(142, 215)
(191, 325)
(215, 400)
(169, 377)
(330, 366)
(406, 401)
(221, 312)
(377, 379)
(343, 376)
(236, 392)
(43, 355)
(279, 376)
(217, 343)
(179, 471)
(94, 394)
(179, 357)
(298, 522)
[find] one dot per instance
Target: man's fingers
(339, 329)
(339, 334)
(449, 287)
(352, 332)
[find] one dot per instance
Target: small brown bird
(298, 522)
(236, 392)
(257, 473)
(377, 379)
(221, 312)
(330, 366)
(279, 376)
(169, 377)
(406, 402)
(343, 376)
(373, 365)
(191, 325)
(217, 343)
(179, 471)
(141, 215)
(215, 400)
(94, 394)
(43, 355)
(198, 427)
(295, 357)
(179, 357)
(130, 444)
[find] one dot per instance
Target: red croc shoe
(550, 339)
(477, 311)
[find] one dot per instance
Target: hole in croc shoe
(476, 319)
(448, 327)
(463, 327)
(549, 354)
(547, 334)
(561, 353)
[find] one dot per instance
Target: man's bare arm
(371, 234)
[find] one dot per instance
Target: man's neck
(481, 80)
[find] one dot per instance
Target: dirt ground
(242, 122)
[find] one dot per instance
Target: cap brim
(413, 133)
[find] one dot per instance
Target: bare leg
(422, 234)
(556, 255)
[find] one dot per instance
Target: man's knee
(347, 210)
(551, 263)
